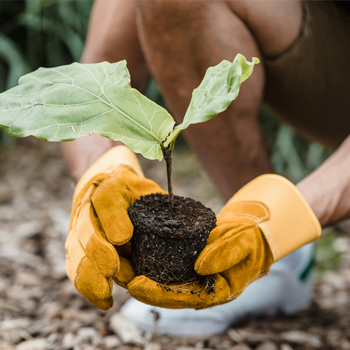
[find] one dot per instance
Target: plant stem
(169, 168)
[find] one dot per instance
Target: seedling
(66, 102)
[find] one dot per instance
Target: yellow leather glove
(99, 221)
(263, 222)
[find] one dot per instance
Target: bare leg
(112, 37)
(181, 39)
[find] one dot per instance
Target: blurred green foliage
(49, 33)
(291, 154)
(327, 257)
(39, 33)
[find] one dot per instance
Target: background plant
(39, 33)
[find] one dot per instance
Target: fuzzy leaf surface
(66, 102)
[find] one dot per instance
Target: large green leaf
(63, 103)
(215, 93)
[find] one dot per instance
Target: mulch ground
(40, 309)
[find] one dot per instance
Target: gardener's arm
(327, 189)
(112, 37)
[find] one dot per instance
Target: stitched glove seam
(254, 203)
(78, 272)
(88, 241)
(111, 249)
(271, 241)
(240, 215)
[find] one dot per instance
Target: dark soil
(167, 242)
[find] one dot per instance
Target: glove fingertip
(198, 267)
(105, 304)
(206, 263)
(89, 281)
(146, 291)
(103, 255)
(122, 230)
(125, 273)
(111, 205)
(138, 282)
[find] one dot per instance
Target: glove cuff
(115, 156)
(292, 223)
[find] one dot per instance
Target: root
(184, 288)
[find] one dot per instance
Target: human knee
(169, 14)
(274, 24)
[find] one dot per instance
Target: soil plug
(166, 242)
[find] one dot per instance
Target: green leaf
(64, 103)
(215, 93)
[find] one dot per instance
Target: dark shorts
(308, 86)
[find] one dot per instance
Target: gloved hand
(263, 222)
(99, 220)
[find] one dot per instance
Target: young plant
(66, 102)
